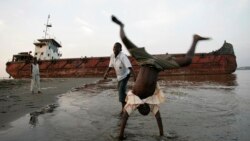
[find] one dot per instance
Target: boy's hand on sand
(115, 20)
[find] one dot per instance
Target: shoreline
(16, 99)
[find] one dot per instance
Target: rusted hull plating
(203, 64)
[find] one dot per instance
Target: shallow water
(198, 108)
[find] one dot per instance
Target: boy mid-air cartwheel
(145, 94)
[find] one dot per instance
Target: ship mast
(47, 25)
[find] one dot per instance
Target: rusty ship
(51, 65)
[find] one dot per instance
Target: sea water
(197, 108)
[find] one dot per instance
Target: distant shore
(244, 68)
(5, 78)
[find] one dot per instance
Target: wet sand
(207, 108)
(16, 99)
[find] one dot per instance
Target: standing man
(123, 68)
(35, 76)
(146, 95)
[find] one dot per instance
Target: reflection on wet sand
(34, 115)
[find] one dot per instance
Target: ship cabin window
(49, 47)
(41, 53)
(48, 54)
(36, 53)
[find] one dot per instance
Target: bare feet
(115, 20)
(199, 38)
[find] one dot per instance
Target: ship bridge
(47, 49)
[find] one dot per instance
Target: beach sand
(205, 108)
(16, 99)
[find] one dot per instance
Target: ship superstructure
(47, 48)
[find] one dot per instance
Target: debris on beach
(34, 115)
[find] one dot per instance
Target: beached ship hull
(222, 61)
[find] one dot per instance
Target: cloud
(106, 13)
(84, 26)
(242, 4)
(57, 2)
(1, 25)
(164, 15)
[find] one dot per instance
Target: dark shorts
(160, 62)
(122, 87)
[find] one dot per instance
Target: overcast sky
(84, 27)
